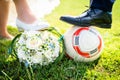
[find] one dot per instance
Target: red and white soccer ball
(83, 44)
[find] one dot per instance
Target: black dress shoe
(92, 17)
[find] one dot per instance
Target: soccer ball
(83, 44)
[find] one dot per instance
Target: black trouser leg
(105, 5)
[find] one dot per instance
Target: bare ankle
(29, 19)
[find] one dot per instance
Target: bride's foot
(35, 26)
(30, 22)
(6, 36)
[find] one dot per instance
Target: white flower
(37, 58)
(21, 55)
(33, 43)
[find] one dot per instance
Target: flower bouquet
(38, 47)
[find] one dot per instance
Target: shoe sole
(22, 30)
(107, 26)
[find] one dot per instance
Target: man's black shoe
(92, 17)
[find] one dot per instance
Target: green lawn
(107, 67)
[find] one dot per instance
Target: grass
(107, 67)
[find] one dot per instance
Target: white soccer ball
(83, 44)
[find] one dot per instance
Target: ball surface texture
(83, 44)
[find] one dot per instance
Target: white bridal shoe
(37, 25)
